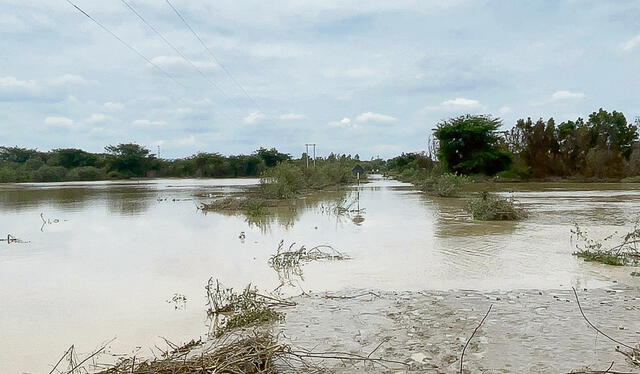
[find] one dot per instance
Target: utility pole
(307, 145)
(158, 155)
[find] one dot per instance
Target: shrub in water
(489, 207)
(446, 185)
(282, 182)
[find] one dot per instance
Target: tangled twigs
(75, 366)
(331, 297)
(471, 337)
(343, 356)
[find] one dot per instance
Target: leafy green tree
(72, 158)
(130, 159)
(470, 144)
(17, 154)
(611, 131)
(272, 157)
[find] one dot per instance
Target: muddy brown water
(104, 260)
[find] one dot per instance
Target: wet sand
(527, 331)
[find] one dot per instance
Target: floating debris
(179, 301)
(229, 310)
(288, 262)
(10, 239)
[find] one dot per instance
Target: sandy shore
(527, 331)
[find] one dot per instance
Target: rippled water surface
(104, 259)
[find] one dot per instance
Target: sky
(358, 77)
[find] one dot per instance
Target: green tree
(272, 157)
(470, 144)
(72, 158)
(130, 159)
(17, 154)
(611, 131)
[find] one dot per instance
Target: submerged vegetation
(233, 310)
(445, 185)
(625, 252)
(492, 207)
(287, 262)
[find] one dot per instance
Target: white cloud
(254, 118)
(177, 62)
(353, 73)
(566, 95)
(12, 86)
(68, 79)
(59, 121)
(96, 118)
(113, 107)
(292, 116)
(631, 43)
(504, 110)
(146, 122)
(345, 122)
(457, 104)
(375, 117)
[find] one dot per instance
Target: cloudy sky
(369, 77)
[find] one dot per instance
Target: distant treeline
(604, 146)
(131, 160)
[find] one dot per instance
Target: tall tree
(470, 144)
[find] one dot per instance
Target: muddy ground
(527, 331)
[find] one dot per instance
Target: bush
(50, 174)
(602, 257)
(87, 173)
(489, 207)
(282, 182)
(8, 175)
(254, 208)
(445, 185)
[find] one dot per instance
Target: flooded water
(104, 260)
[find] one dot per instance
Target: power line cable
(175, 48)
(127, 45)
(136, 51)
(212, 54)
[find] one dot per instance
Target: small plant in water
(446, 185)
(232, 310)
(288, 262)
(490, 207)
(626, 252)
(255, 209)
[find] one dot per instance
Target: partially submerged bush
(445, 185)
(240, 310)
(490, 207)
(627, 252)
(227, 203)
(282, 182)
(288, 262)
(254, 208)
(602, 257)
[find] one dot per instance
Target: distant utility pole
(158, 151)
(314, 153)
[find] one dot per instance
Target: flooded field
(106, 259)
